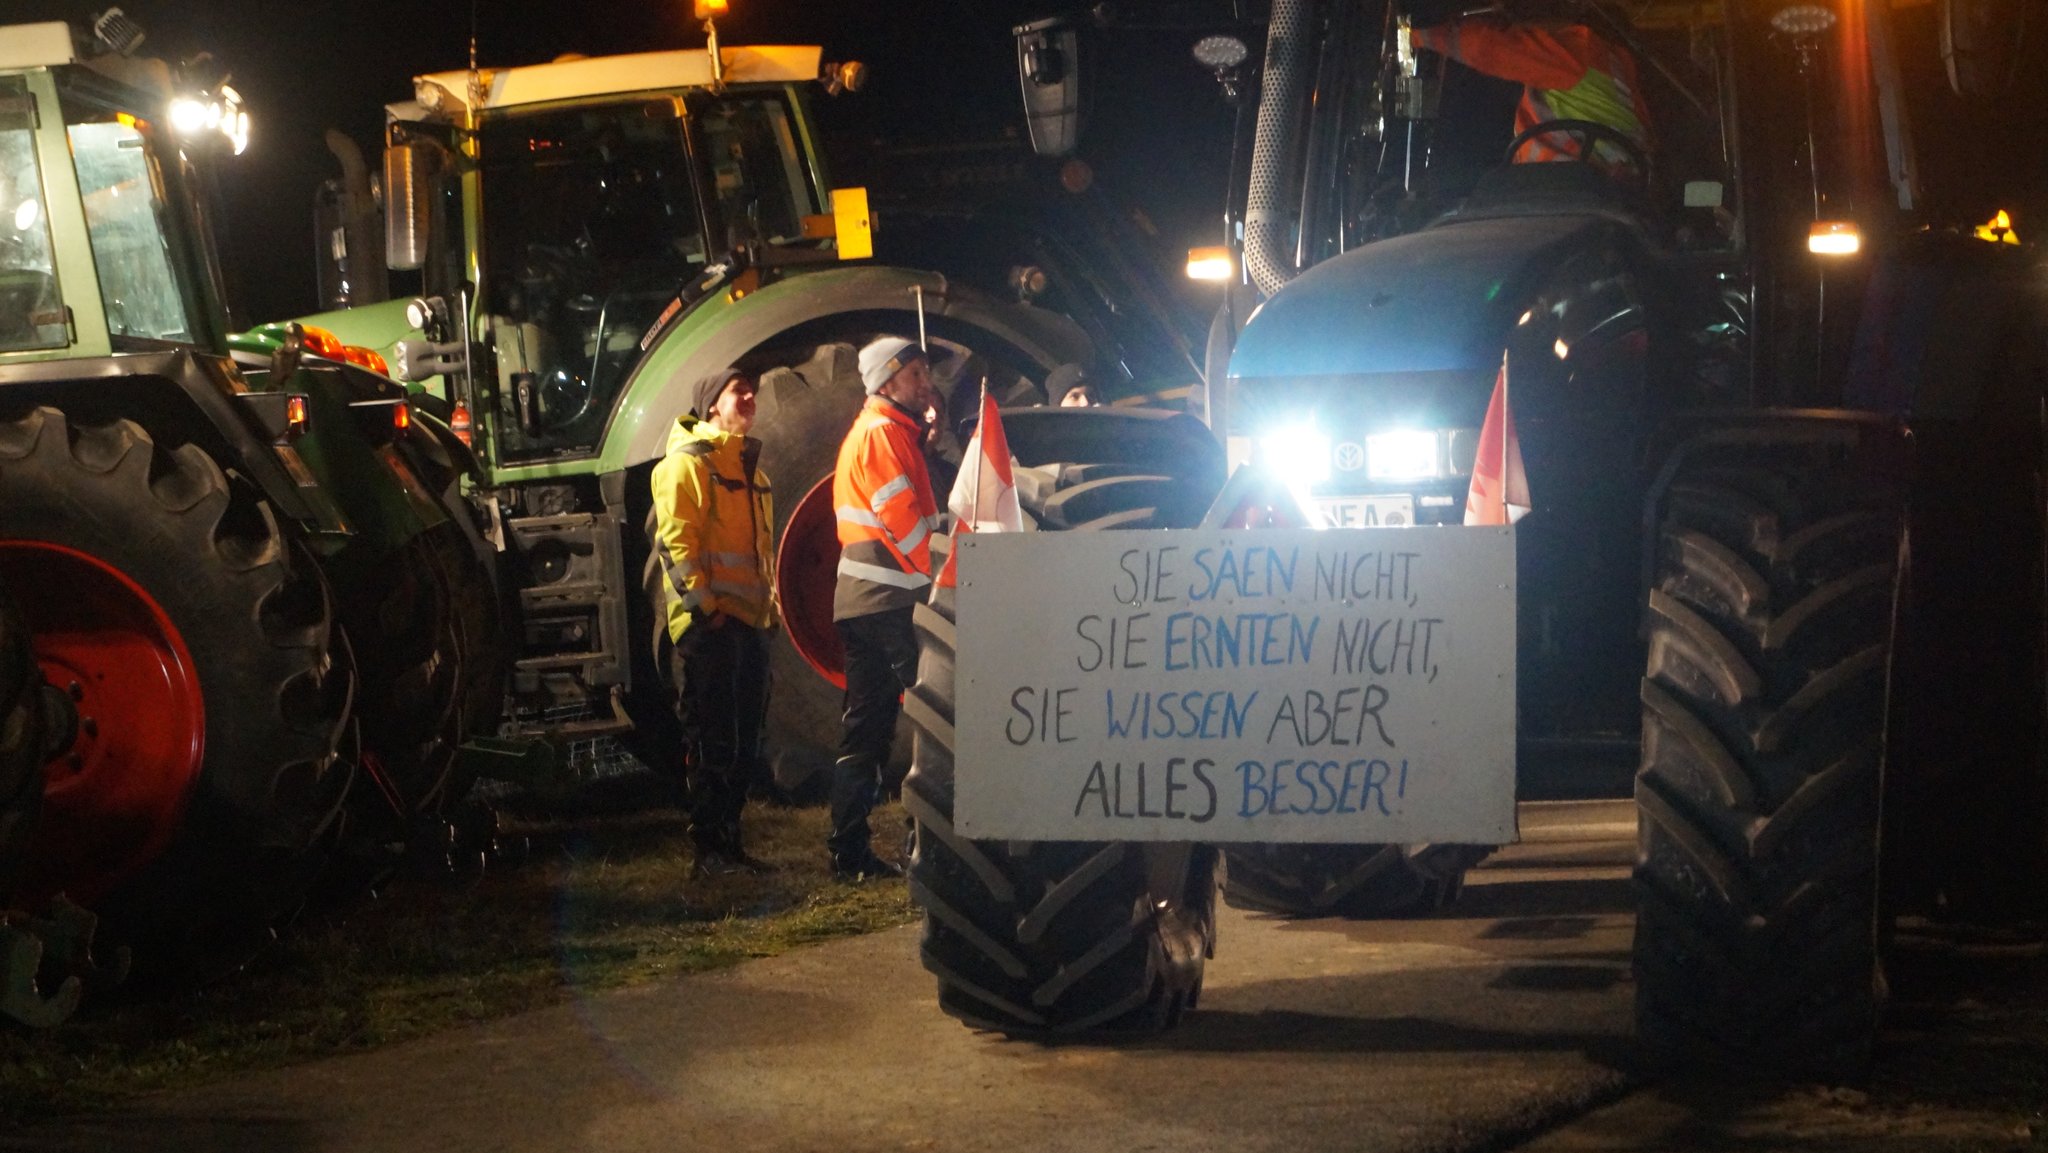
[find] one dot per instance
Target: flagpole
(980, 451)
(1506, 422)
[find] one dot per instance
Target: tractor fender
(723, 329)
(179, 396)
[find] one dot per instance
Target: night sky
(941, 69)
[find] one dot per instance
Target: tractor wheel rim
(115, 796)
(806, 572)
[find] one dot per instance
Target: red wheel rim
(114, 797)
(806, 572)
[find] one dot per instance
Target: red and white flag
(984, 497)
(1500, 489)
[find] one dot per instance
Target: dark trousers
(881, 662)
(721, 677)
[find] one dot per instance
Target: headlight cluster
(1306, 455)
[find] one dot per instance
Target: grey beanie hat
(884, 358)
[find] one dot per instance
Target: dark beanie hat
(705, 398)
(1064, 379)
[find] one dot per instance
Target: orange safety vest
(883, 500)
(1567, 73)
(713, 510)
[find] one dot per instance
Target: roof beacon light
(1212, 263)
(1834, 238)
(707, 9)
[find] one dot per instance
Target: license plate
(1368, 511)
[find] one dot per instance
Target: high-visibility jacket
(883, 499)
(1567, 72)
(713, 512)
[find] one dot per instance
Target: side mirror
(1049, 68)
(408, 183)
(1981, 45)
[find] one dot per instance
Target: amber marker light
(1998, 230)
(321, 342)
(1834, 238)
(1212, 263)
(295, 415)
(401, 416)
(706, 9)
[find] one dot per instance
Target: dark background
(1158, 135)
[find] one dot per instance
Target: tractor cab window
(593, 225)
(31, 311)
(126, 214)
(1676, 182)
(760, 184)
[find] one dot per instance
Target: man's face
(734, 411)
(912, 388)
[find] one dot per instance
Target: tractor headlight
(1405, 455)
(1298, 453)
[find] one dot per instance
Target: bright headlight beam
(1300, 454)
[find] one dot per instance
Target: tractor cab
(103, 242)
(585, 202)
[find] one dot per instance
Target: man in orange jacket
(1567, 72)
(886, 514)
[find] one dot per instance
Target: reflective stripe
(882, 576)
(731, 559)
(917, 534)
(859, 516)
(693, 599)
(882, 494)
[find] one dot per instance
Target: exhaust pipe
(1267, 251)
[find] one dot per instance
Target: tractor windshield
(1666, 84)
(31, 312)
(591, 223)
(128, 216)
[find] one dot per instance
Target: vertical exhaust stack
(1267, 223)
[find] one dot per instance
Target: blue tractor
(1781, 571)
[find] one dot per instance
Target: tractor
(1782, 429)
(588, 236)
(263, 611)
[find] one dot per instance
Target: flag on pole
(984, 497)
(1500, 489)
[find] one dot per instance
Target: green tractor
(266, 615)
(590, 236)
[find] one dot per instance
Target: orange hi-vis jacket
(883, 499)
(712, 512)
(1567, 72)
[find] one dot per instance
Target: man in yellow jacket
(713, 516)
(883, 501)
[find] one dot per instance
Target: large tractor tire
(200, 790)
(1051, 938)
(1360, 881)
(21, 746)
(432, 652)
(1758, 796)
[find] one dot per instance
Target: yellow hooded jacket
(713, 515)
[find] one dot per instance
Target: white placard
(1344, 686)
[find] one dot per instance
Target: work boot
(713, 862)
(859, 867)
(734, 847)
(855, 782)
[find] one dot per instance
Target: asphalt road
(1461, 1032)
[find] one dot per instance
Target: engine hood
(1435, 301)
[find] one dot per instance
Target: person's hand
(717, 621)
